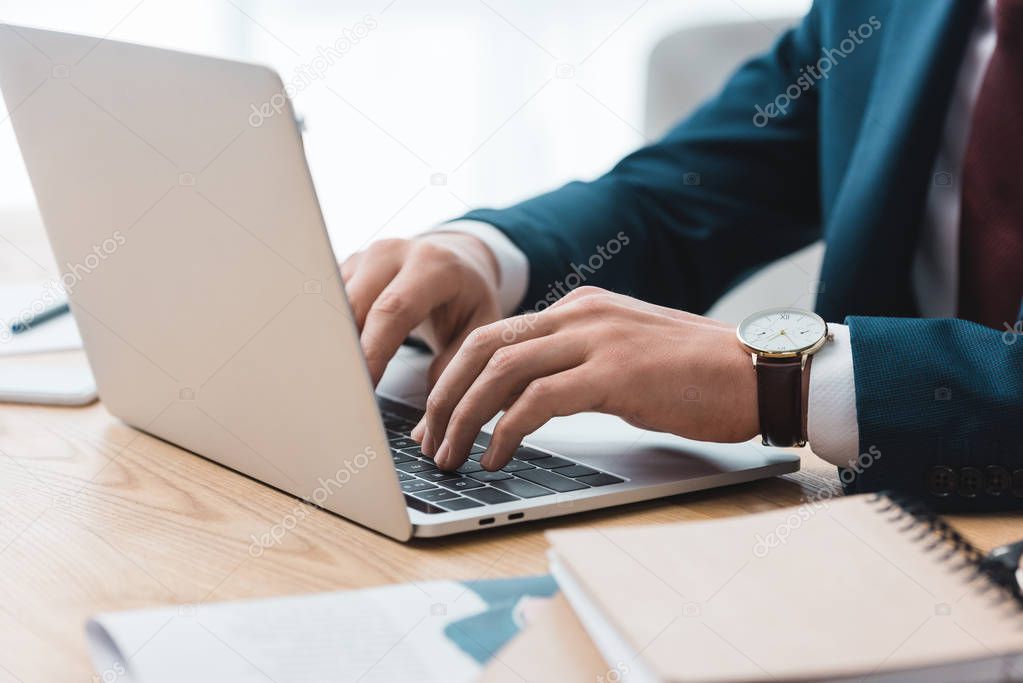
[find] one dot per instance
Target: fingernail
(417, 431)
(441, 459)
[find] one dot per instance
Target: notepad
(553, 648)
(863, 586)
(18, 302)
(25, 375)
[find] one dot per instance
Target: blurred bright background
(437, 106)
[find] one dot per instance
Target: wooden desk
(95, 516)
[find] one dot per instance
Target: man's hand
(655, 367)
(442, 284)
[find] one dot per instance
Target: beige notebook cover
(553, 648)
(855, 588)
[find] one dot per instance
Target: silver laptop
(179, 205)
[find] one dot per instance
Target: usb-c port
(516, 515)
(486, 521)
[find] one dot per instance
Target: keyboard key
(460, 484)
(400, 442)
(526, 453)
(576, 471)
(490, 476)
(434, 495)
(522, 489)
(550, 463)
(469, 466)
(551, 480)
(398, 424)
(415, 451)
(459, 504)
(477, 449)
(516, 466)
(600, 479)
(437, 475)
(404, 477)
(417, 486)
(490, 496)
(422, 505)
(398, 456)
(415, 466)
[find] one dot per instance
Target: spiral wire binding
(919, 517)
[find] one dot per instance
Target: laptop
(177, 199)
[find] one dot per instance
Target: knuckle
(436, 403)
(392, 303)
(480, 338)
(595, 303)
(459, 421)
(503, 360)
(538, 390)
(387, 245)
(585, 291)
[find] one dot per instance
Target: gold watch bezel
(807, 350)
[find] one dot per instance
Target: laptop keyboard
(530, 474)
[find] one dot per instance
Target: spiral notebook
(859, 588)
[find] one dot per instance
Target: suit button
(941, 481)
(971, 482)
(998, 480)
(1017, 483)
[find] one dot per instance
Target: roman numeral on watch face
(781, 330)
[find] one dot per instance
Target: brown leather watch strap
(780, 400)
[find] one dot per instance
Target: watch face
(782, 331)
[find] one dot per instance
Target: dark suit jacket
(850, 160)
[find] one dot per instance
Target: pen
(41, 317)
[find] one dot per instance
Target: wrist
(782, 342)
(742, 378)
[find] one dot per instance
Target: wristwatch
(782, 342)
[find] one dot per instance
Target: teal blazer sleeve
(735, 186)
(717, 197)
(940, 410)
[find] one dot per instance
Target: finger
(404, 304)
(573, 391)
(368, 281)
(508, 372)
(444, 356)
(440, 362)
(470, 360)
(350, 265)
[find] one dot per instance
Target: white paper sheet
(412, 632)
(57, 334)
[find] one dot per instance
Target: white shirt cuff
(511, 261)
(832, 429)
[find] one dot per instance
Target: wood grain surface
(96, 516)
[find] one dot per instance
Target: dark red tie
(991, 224)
